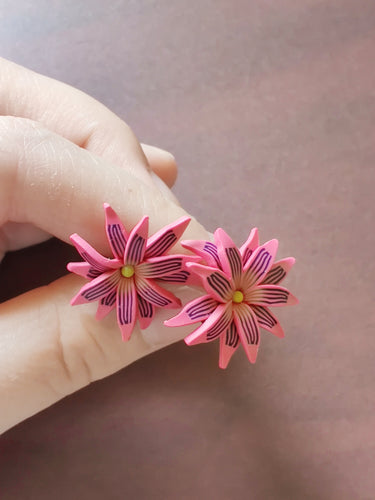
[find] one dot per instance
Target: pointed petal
(135, 247)
(116, 233)
(126, 307)
(259, 264)
(146, 312)
(204, 249)
(97, 288)
(216, 324)
(180, 277)
(194, 311)
(229, 255)
(94, 258)
(278, 271)
(250, 245)
(214, 281)
(160, 267)
(268, 321)
(247, 329)
(106, 304)
(83, 269)
(163, 240)
(155, 294)
(229, 343)
(270, 295)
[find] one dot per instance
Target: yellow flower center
(237, 297)
(127, 271)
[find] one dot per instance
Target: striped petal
(213, 327)
(83, 269)
(229, 343)
(116, 234)
(270, 295)
(214, 281)
(163, 240)
(278, 271)
(196, 310)
(229, 255)
(106, 304)
(250, 245)
(146, 312)
(155, 294)
(135, 247)
(97, 288)
(159, 267)
(126, 307)
(92, 257)
(247, 329)
(204, 249)
(268, 321)
(180, 277)
(259, 264)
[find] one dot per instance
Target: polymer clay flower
(241, 285)
(128, 281)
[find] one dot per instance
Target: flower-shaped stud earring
(130, 280)
(241, 285)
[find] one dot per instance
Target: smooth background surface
(269, 108)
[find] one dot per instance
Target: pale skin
(62, 154)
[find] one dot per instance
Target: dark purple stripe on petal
(117, 239)
(211, 249)
(258, 266)
(125, 306)
(235, 262)
(180, 277)
(162, 245)
(99, 290)
(274, 276)
(150, 294)
(136, 250)
(93, 273)
(109, 299)
(93, 262)
(264, 316)
(146, 309)
(219, 284)
(247, 255)
(201, 309)
(165, 267)
(250, 328)
(219, 327)
(232, 337)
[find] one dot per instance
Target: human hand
(62, 154)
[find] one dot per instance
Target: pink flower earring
(241, 285)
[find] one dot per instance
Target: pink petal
(214, 281)
(126, 307)
(229, 255)
(278, 271)
(97, 288)
(164, 239)
(194, 311)
(136, 244)
(270, 295)
(83, 269)
(250, 245)
(213, 327)
(116, 232)
(268, 321)
(155, 294)
(106, 305)
(87, 252)
(160, 267)
(204, 249)
(229, 343)
(259, 264)
(146, 312)
(248, 330)
(180, 277)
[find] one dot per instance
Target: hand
(62, 154)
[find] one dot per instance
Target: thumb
(49, 349)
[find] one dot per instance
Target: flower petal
(214, 281)
(92, 257)
(163, 240)
(126, 307)
(270, 295)
(250, 245)
(213, 327)
(159, 267)
(278, 271)
(204, 249)
(146, 312)
(229, 255)
(155, 294)
(247, 329)
(229, 343)
(194, 311)
(97, 288)
(259, 263)
(180, 277)
(83, 269)
(268, 321)
(106, 304)
(135, 247)
(116, 233)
